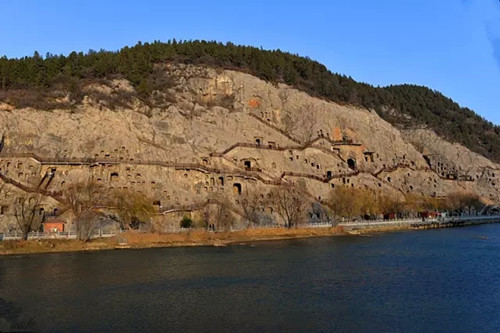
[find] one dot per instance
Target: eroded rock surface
(228, 132)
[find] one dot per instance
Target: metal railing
(15, 235)
(384, 221)
(418, 221)
(318, 225)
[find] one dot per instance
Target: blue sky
(449, 45)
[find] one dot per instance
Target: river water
(444, 280)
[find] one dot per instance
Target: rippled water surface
(425, 281)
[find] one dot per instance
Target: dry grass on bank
(147, 240)
(53, 245)
(201, 237)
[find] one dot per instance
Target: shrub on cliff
(186, 222)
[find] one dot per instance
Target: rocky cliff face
(228, 132)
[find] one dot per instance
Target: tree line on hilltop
(23, 80)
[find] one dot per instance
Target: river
(417, 281)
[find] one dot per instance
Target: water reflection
(418, 281)
(12, 318)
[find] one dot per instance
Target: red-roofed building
(53, 224)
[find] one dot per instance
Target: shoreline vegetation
(141, 240)
(201, 237)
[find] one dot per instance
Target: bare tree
(88, 222)
(350, 202)
(4, 194)
(253, 205)
(28, 214)
(85, 200)
(133, 208)
(460, 202)
(344, 202)
(218, 213)
(290, 204)
(391, 204)
(419, 202)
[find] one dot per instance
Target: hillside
(197, 141)
(36, 81)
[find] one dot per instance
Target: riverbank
(139, 240)
(374, 230)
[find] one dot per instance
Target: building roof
(54, 220)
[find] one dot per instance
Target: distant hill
(27, 81)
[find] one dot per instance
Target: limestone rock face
(230, 133)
